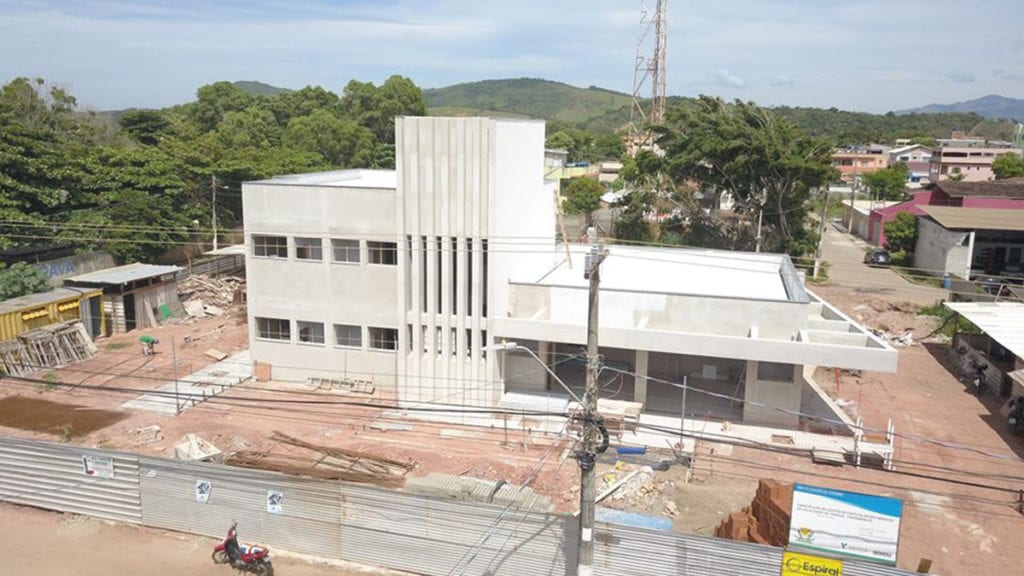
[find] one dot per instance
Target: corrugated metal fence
(356, 523)
(213, 266)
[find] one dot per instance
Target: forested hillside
(598, 110)
(140, 184)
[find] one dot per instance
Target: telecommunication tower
(649, 73)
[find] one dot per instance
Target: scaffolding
(52, 346)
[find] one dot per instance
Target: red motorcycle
(253, 559)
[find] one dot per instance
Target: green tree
(888, 184)
(376, 108)
(901, 233)
(253, 127)
(768, 164)
(20, 279)
(145, 126)
(1008, 166)
(582, 196)
(341, 143)
(215, 100)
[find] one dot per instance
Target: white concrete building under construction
(412, 279)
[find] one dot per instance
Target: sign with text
(845, 523)
(98, 466)
(796, 564)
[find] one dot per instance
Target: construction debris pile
(324, 462)
(479, 490)
(210, 296)
(634, 488)
(52, 346)
(766, 520)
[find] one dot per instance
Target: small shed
(134, 295)
(32, 311)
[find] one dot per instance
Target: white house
(409, 279)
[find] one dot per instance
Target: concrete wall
(657, 311)
(939, 250)
(321, 291)
(60, 268)
(467, 179)
(776, 394)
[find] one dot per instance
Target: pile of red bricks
(766, 520)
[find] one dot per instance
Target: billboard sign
(847, 524)
(796, 564)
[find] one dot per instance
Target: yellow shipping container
(25, 313)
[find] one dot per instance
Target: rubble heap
(208, 295)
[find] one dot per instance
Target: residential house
(855, 162)
(969, 159)
(916, 157)
(416, 280)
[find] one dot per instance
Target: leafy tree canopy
(1008, 166)
(888, 184)
(20, 279)
(582, 196)
(901, 233)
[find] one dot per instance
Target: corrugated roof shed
(123, 274)
(42, 299)
(1002, 321)
(955, 218)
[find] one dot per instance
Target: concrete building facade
(415, 279)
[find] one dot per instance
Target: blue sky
(872, 55)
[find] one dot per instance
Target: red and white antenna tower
(649, 72)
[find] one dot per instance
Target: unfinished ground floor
(675, 385)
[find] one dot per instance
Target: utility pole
(821, 234)
(592, 425)
(174, 362)
(213, 191)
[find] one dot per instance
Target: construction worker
(147, 344)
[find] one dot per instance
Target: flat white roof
(381, 179)
(124, 274)
(1003, 321)
(691, 271)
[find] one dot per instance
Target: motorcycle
(1016, 417)
(979, 377)
(252, 559)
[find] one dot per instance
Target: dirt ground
(39, 543)
(959, 500)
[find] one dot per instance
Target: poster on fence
(274, 502)
(845, 523)
(98, 466)
(796, 564)
(203, 489)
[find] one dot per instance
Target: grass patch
(51, 381)
(952, 323)
(116, 345)
(917, 277)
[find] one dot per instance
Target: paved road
(38, 543)
(846, 255)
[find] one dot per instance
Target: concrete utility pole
(821, 235)
(591, 426)
(213, 191)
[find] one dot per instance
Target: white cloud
(729, 79)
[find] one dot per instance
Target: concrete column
(640, 380)
(970, 256)
(768, 395)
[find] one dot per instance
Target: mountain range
(991, 106)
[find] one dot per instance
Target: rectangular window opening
(310, 332)
(385, 253)
(348, 335)
(383, 338)
(273, 329)
(345, 251)
(270, 246)
(309, 249)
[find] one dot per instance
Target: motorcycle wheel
(263, 568)
(220, 557)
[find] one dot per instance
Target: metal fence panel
(54, 477)
(437, 536)
(308, 523)
(431, 536)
